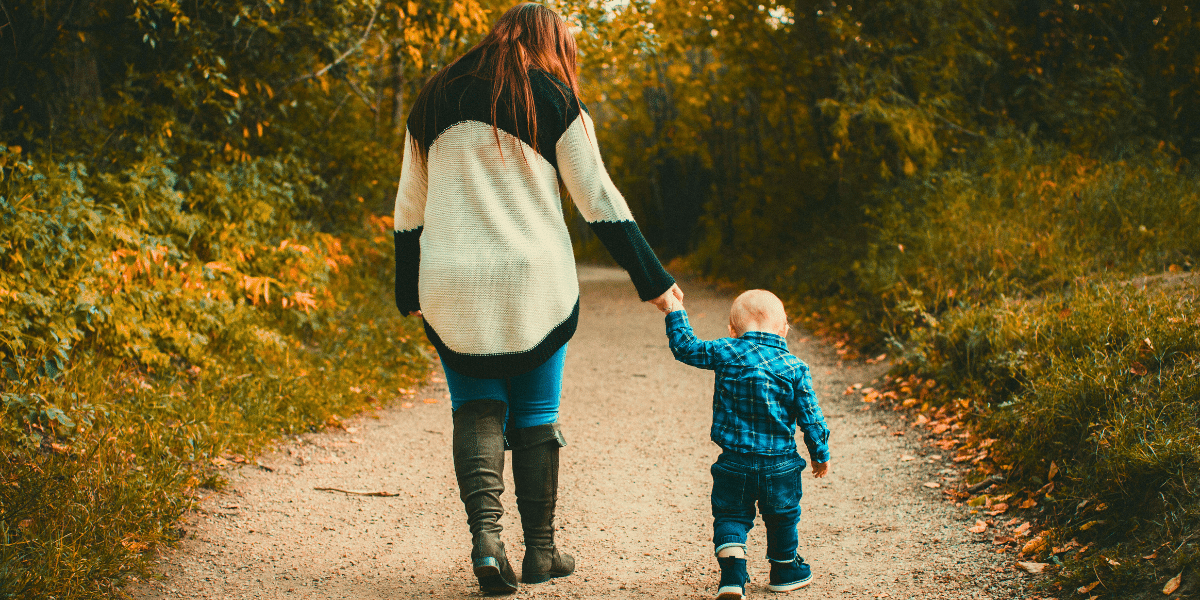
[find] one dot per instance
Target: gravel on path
(634, 499)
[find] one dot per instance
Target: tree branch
(338, 60)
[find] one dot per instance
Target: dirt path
(634, 506)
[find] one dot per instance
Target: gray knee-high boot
(535, 473)
(479, 466)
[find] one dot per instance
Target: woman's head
(527, 36)
(532, 36)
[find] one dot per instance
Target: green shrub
(155, 327)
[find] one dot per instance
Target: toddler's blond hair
(757, 310)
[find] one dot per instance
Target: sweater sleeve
(583, 173)
(810, 419)
(409, 220)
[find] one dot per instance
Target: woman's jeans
(740, 480)
(532, 398)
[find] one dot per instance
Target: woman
(482, 253)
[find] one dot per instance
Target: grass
(100, 463)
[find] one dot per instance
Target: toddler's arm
(811, 421)
(685, 346)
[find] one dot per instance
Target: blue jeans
(532, 398)
(740, 480)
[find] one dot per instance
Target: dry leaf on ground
(1087, 588)
(932, 485)
(1033, 568)
(979, 527)
(1172, 584)
(1035, 545)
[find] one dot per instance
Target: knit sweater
(482, 249)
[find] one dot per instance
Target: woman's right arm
(605, 210)
(409, 221)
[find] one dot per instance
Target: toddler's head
(757, 310)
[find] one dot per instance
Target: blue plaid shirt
(762, 391)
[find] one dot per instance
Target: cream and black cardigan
(481, 245)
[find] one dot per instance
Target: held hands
(819, 470)
(670, 301)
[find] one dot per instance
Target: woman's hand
(670, 300)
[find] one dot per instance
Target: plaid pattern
(763, 392)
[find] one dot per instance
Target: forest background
(999, 196)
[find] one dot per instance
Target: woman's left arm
(409, 222)
(582, 171)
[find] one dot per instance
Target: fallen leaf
(1053, 471)
(979, 527)
(218, 461)
(1033, 568)
(1012, 521)
(1030, 503)
(932, 485)
(1045, 489)
(59, 448)
(997, 509)
(1022, 529)
(1151, 556)
(922, 420)
(907, 458)
(1172, 584)
(1087, 588)
(1000, 540)
(25, 523)
(909, 402)
(1111, 562)
(430, 401)
(407, 405)
(1035, 545)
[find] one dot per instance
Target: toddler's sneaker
(733, 578)
(789, 576)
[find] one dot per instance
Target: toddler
(762, 393)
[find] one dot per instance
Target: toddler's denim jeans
(740, 480)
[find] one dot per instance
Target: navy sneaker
(789, 576)
(733, 578)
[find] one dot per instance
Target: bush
(157, 327)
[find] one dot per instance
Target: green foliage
(153, 324)
(1056, 292)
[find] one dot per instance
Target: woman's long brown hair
(527, 35)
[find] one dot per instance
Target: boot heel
(491, 578)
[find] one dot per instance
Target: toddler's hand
(670, 300)
(819, 470)
(673, 304)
